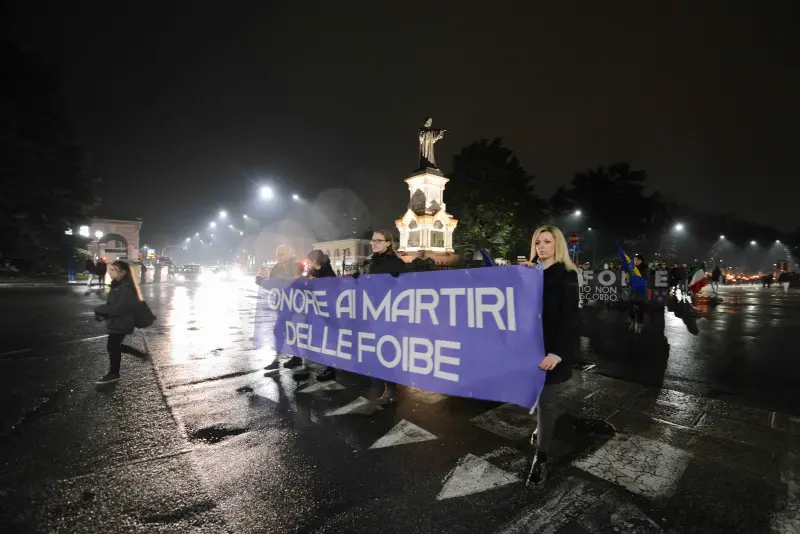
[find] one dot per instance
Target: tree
(46, 187)
(493, 199)
(612, 200)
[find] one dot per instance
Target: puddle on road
(215, 434)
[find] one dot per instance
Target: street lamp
(577, 213)
(223, 214)
(266, 192)
(753, 243)
(98, 234)
(212, 224)
(722, 237)
(679, 227)
(295, 197)
(197, 234)
(244, 216)
(188, 239)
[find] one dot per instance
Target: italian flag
(697, 279)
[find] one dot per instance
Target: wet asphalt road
(692, 427)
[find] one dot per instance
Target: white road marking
(331, 385)
(474, 475)
(353, 407)
(402, 433)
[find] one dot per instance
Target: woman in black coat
(117, 313)
(560, 328)
(319, 266)
(384, 260)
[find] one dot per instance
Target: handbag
(142, 315)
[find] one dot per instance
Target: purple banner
(471, 333)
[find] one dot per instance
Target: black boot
(328, 374)
(538, 475)
(293, 362)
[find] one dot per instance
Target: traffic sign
(573, 249)
(573, 239)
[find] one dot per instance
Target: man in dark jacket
(117, 313)
(101, 268)
(716, 274)
(286, 268)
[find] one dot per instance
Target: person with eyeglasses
(384, 260)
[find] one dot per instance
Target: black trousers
(114, 346)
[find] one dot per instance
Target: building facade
(345, 254)
(114, 239)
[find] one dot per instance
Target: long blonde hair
(561, 252)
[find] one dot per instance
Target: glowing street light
(188, 239)
(212, 224)
(244, 216)
(753, 243)
(777, 241)
(722, 237)
(266, 192)
(590, 228)
(679, 227)
(223, 214)
(295, 197)
(577, 213)
(98, 234)
(197, 234)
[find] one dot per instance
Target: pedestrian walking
(287, 268)
(319, 265)
(716, 274)
(560, 326)
(384, 260)
(637, 301)
(118, 314)
(101, 269)
(91, 270)
(784, 279)
(681, 276)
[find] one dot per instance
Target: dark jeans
(114, 347)
(376, 389)
(546, 418)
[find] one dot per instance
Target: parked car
(188, 273)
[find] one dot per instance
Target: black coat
(387, 263)
(560, 319)
(119, 310)
(325, 272)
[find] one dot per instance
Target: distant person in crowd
(560, 328)
(716, 274)
(143, 274)
(384, 260)
(770, 280)
(118, 314)
(100, 269)
(784, 279)
(91, 270)
(319, 266)
(682, 278)
(421, 263)
(637, 301)
(287, 268)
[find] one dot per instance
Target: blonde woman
(560, 328)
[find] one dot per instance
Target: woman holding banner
(384, 260)
(560, 327)
(319, 266)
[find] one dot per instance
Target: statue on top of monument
(427, 137)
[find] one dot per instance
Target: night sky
(184, 109)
